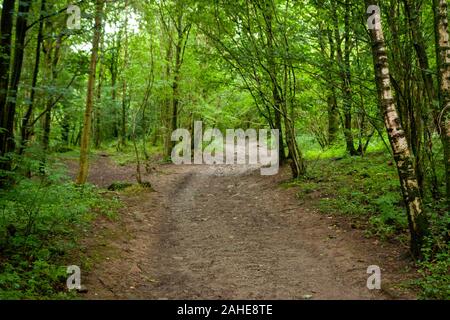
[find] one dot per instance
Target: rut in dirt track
(231, 237)
(226, 232)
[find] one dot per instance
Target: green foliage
(127, 154)
(367, 189)
(313, 151)
(435, 267)
(39, 280)
(236, 54)
(359, 187)
(435, 281)
(391, 219)
(40, 222)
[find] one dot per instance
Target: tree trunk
(443, 62)
(183, 31)
(176, 75)
(9, 111)
(125, 98)
(123, 122)
(413, 15)
(19, 50)
(333, 118)
(26, 130)
(279, 101)
(97, 131)
(65, 129)
(332, 110)
(418, 224)
(167, 104)
(5, 62)
(52, 63)
(114, 71)
(278, 125)
(343, 60)
(5, 53)
(144, 106)
(84, 148)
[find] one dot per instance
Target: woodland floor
(226, 232)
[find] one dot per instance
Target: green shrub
(435, 267)
(40, 222)
(368, 189)
(435, 281)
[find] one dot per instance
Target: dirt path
(226, 232)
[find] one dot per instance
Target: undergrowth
(367, 190)
(41, 220)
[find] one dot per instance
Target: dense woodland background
(367, 110)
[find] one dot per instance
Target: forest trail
(226, 232)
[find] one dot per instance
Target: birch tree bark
(417, 220)
(443, 63)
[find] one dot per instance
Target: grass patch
(367, 189)
(126, 155)
(361, 187)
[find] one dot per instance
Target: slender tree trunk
(97, 131)
(65, 129)
(53, 75)
(333, 110)
(26, 130)
(114, 71)
(343, 60)
(278, 125)
(347, 81)
(176, 75)
(443, 62)
(9, 111)
(123, 128)
(333, 118)
(5, 52)
(5, 62)
(144, 106)
(19, 50)
(418, 224)
(413, 15)
(97, 106)
(85, 139)
(298, 165)
(183, 30)
(125, 98)
(279, 100)
(168, 106)
(136, 151)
